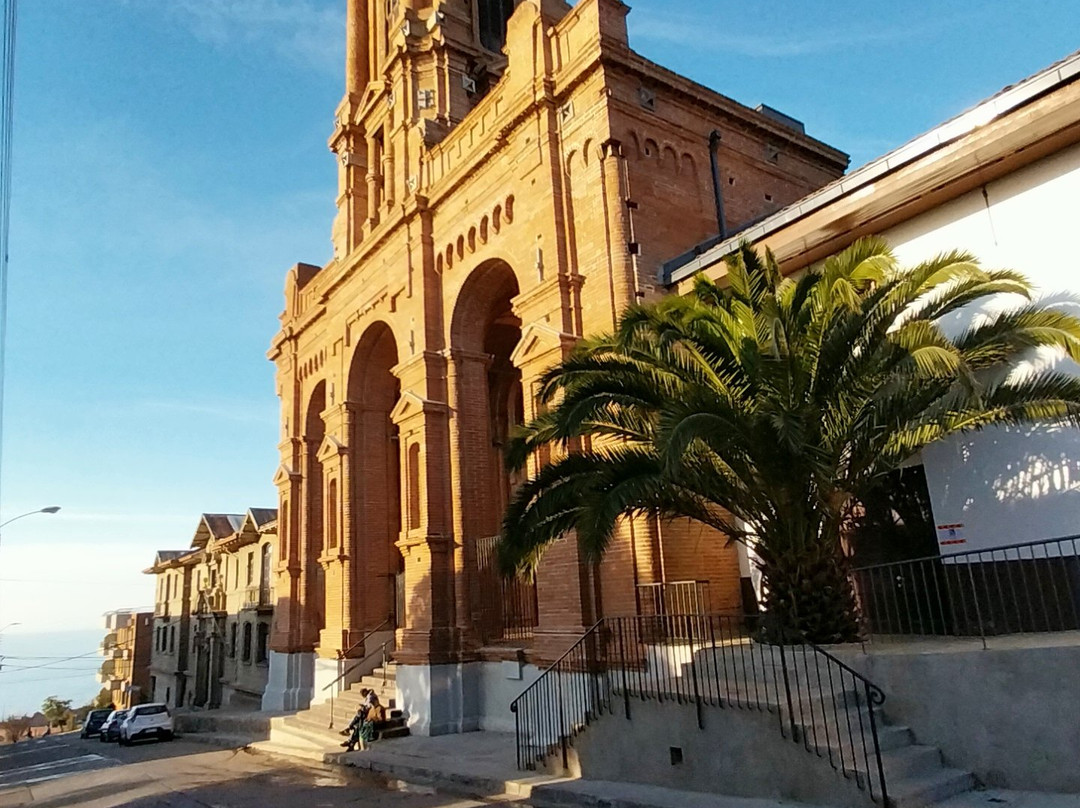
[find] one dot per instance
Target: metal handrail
(1023, 588)
(727, 661)
(946, 556)
(385, 659)
(344, 654)
(588, 705)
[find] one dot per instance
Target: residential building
(214, 611)
(512, 176)
(126, 648)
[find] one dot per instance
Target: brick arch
(374, 485)
(483, 300)
(488, 402)
(484, 333)
(312, 518)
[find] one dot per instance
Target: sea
(35, 666)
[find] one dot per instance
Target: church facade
(512, 176)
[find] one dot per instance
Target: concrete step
(910, 762)
(916, 792)
(842, 737)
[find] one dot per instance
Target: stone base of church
(461, 697)
(291, 682)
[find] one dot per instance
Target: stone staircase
(916, 773)
(315, 733)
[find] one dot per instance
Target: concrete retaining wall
(740, 753)
(1009, 714)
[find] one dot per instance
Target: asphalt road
(65, 772)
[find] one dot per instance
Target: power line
(49, 678)
(55, 657)
(46, 664)
(7, 115)
(47, 668)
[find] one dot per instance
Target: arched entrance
(375, 496)
(484, 336)
(314, 575)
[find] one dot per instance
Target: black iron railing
(676, 597)
(1018, 589)
(708, 661)
(508, 607)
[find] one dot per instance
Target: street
(64, 771)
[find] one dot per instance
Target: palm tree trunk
(808, 592)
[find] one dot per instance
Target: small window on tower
(493, 15)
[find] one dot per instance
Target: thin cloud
(678, 31)
(304, 31)
(246, 412)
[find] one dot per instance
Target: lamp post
(49, 509)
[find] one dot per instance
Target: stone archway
(312, 533)
(484, 334)
(375, 485)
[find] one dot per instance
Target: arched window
(414, 486)
(172, 639)
(232, 640)
(331, 514)
(247, 642)
(264, 573)
(283, 531)
(493, 15)
(262, 643)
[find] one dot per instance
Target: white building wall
(1007, 486)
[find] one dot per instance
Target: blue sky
(171, 164)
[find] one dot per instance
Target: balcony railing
(161, 610)
(675, 598)
(212, 599)
(508, 608)
(1017, 589)
(259, 597)
(108, 643)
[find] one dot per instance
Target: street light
(50, 509)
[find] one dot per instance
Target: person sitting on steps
(361, 729)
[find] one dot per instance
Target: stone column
(624, 285)
(357, 72)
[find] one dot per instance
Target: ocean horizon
(36, 665)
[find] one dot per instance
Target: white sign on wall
(951, 537)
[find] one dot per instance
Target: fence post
(870, 704)
(978, 609)
(787, 690)
(562, 721)
(622, 667)
(693, 672)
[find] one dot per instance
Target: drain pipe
(718, 197)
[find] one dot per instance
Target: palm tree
(770, 408)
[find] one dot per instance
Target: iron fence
(508, 608)
(708, 661)
(1017, 589)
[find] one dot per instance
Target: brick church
(511, 176)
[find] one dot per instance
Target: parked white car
(147, 721)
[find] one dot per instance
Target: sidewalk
(482, 764)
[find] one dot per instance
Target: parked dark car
(110, 730)
(92, 725)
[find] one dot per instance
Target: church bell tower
(413, 70)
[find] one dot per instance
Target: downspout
(714, 146)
